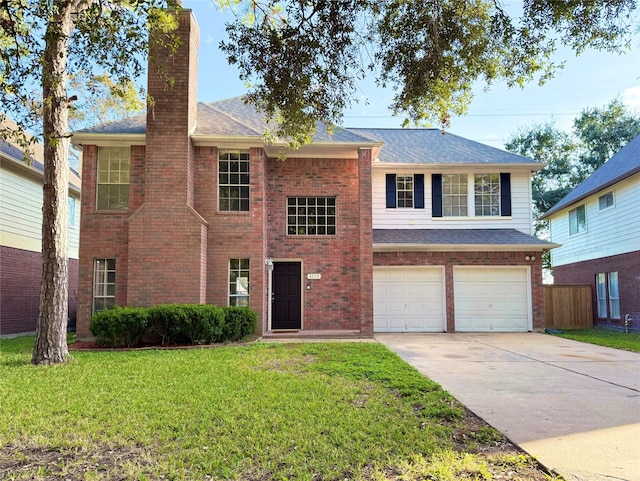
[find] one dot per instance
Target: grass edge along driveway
(330, 411)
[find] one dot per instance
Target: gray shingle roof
(431, 146)
(625, 163)
(458, 237)
(233, 117)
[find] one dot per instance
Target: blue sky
(591, 80)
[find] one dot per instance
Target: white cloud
(631, 97)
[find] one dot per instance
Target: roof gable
(625, 163)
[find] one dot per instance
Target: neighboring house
(363, 230)
(21, 239)
(598, 225)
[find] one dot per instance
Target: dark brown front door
(286, 296)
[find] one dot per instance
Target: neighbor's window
(404, 190)
(577, 220)
(311, 215)
(72, 211)
(486, 189)
(239, 282)
(454, 195)
(233, 181)
(113, 178)
(601, 293)
(104, 284)
(605, 201)
(614, 296)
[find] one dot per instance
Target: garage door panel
(408, 299)
(491, 299)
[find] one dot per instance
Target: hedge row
(172, 324)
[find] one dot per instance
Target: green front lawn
(616, 339)
(328, 411)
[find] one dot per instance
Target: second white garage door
(490, 299)
(408, 299)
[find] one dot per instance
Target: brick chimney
(167, 237)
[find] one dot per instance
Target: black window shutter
(505, 194)
(418, 191)
(436, 195)
(391, 191)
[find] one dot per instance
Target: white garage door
(408, 299)
(492, 299)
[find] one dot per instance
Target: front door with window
(286, 296)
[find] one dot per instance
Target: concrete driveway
(574, 406)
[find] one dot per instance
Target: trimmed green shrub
(239, 323)
(173, 324)
(118, 327)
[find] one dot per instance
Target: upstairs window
(454, 195)
(605, 201)
(113, 178)
(471, 195)
(405, 191)
(311, 216)
(486, 191)
(233, 181)
(577, 220)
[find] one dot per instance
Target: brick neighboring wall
(485, 259)
(628, 268)
(334, 301)
(20, 279)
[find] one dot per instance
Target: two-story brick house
(414, 229)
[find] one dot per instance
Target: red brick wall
(628, 268)
(334, 301)
(451, 259)
(20, 278)
(233, 234)
(103, 235)
(167, 243)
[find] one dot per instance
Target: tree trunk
(51, 331)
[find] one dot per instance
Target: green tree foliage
(42, 41)
(302, 58)
(101, 99)
(597, 134)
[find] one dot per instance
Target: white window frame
(234, 186)
(239, 272)
(613, 291)
(575, 227)
(605, 197)
(455, 195)
(405, 191)
(104, 284)
(486, 193)
(601, 295)
(71, 211)
(469, 197)
(316, 219)
(113, 178)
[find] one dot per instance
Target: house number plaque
(314, 276)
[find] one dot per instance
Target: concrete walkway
(574, 406)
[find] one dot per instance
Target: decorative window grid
(311, 215)
(233, 181)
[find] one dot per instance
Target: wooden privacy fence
(568, 307)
